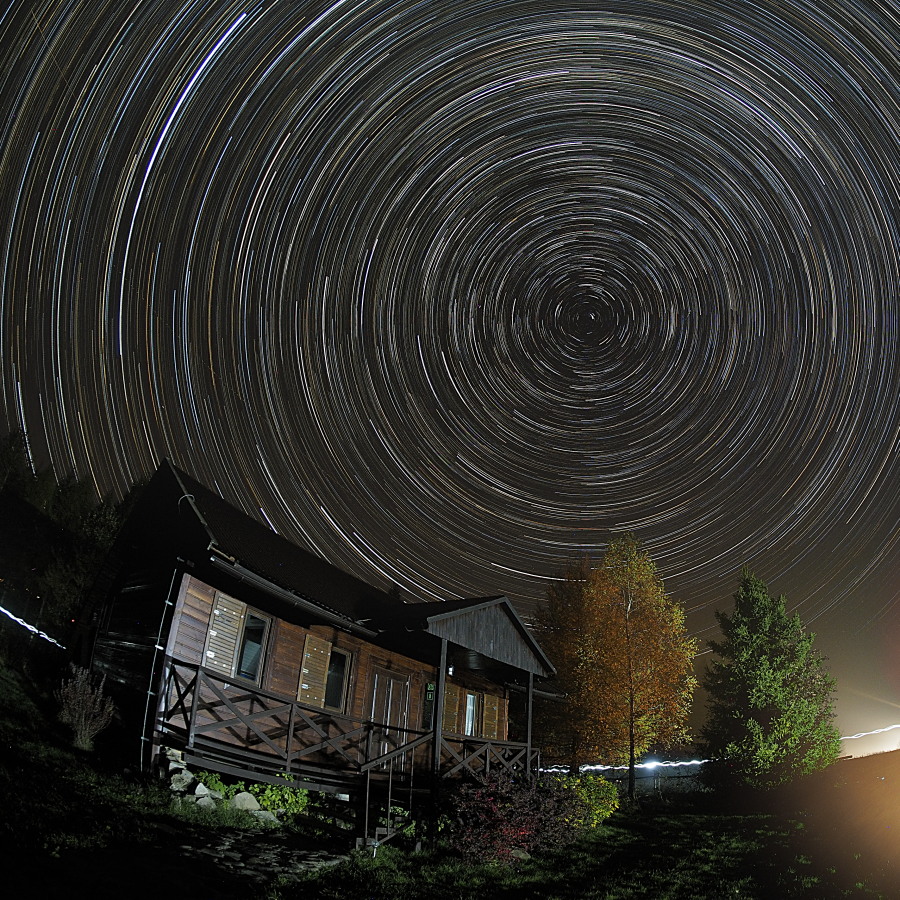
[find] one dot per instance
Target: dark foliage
(494, 818)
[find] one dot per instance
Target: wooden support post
(530, 714)
(437, 724)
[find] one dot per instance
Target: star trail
(448, 292)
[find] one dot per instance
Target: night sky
(449, 292)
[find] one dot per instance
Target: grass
(639, 853)
(75, 823)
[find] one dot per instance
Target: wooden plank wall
(187, 636)
(284, 659)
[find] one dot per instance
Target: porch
(248, 732)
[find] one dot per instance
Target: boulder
(244, 800)
(206, 802)
(264, 815)
(181, 780)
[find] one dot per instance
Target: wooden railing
(250, 729)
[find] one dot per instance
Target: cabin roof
(488, 625)
(195, 516)
(243, 541)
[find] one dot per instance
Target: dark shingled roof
(264, 552)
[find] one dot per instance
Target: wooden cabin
(256, 658)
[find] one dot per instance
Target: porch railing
(248, 728)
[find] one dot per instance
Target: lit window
(471, 713)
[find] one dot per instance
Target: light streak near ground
(862, 734)
(31, 628)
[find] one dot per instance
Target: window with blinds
(472, 713)
(324, 674)
(236, 639)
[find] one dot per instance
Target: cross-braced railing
(474, 756)
(250, 728)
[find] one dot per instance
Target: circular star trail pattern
(450, 292)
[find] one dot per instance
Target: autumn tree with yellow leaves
(623, 658)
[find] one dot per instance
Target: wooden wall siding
(314, 671)
(489, 631)
(224, 631)
(201, 610)
(285, 654)
(365, 658)
(187, 636)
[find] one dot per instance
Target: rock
(206, 802)
(201, 790)
(264, 815)
(181, 781)
(244, 800)
(519, 853)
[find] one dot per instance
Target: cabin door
(390, 707)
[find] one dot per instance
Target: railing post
(289, 746)
(198, 674)
(437, 724)
(530, 705)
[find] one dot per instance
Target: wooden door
(390, 708)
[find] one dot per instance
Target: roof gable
(489, 626)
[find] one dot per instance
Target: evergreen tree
(770, 710)
(623, 659)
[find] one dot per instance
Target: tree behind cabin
(770, 709)
(623, 658)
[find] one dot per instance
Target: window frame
(345, 686)
(226, 650)
(263, 646)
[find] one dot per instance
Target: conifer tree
(770, 708)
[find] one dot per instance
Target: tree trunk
(631, 747)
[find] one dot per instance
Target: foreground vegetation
(76, 822)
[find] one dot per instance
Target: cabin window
(324, 674)
(236, 639)
(250, 651)
(336, 680)
(471, 724)
(473, 713)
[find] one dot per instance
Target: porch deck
(252, 733)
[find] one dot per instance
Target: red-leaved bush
(491, 818)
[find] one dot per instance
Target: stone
(244, 800)
(519, 853)
(264, 815)
(181, 781)
(201, 790)
(206, 802)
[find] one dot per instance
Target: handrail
(215, 714)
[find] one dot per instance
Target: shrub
(273, 797)
(83, 707)
(599, 797)
(493, 818)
